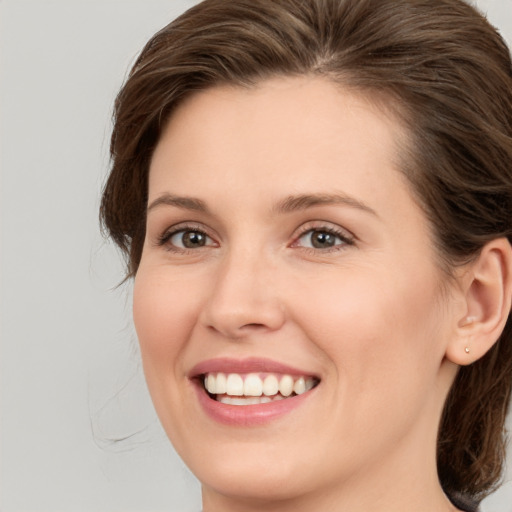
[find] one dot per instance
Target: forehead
(281, 128)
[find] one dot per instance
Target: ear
(487, 288)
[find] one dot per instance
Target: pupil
(192, 239)
(321, 240)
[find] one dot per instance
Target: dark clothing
(464, 503)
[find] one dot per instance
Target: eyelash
(164, 239)
(346, 238)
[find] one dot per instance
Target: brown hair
(447, 73)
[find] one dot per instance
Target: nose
(243, 299)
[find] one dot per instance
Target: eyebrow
(287, 205)
(188, 203)
(305, 201)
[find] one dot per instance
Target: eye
(323, 238)
(189, 239)
(185, 239)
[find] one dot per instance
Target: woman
(315, 200)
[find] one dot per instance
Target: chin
(256, 470)
(248, 482)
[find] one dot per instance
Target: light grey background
(70, 379)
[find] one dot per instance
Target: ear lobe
(488, 295)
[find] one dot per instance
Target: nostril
(238, 332)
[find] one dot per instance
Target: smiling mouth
(255, 388)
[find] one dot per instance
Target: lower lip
(248, 415)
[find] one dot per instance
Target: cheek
(380, 335)
(377, 326)
(164, 314)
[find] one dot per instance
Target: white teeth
(270, 385)
(220, 387)
(300, 386)
(252, 385)
(253, 400)
(210, 383)
(233, 401)
(234, 385)
(286, 385)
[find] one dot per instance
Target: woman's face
(283, 243)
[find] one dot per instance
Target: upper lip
(247, 365)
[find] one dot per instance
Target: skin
(369, 316)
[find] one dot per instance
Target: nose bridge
(243, 297)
